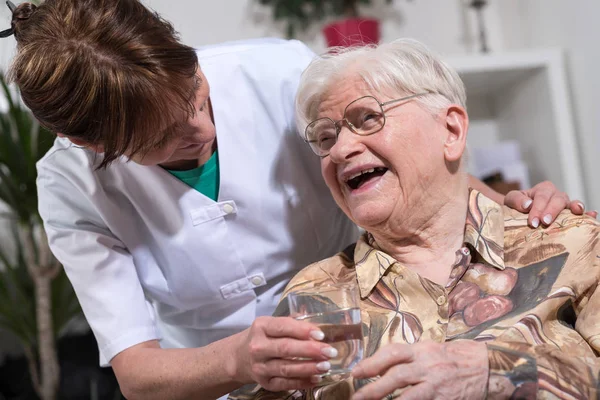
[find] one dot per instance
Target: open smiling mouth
(365, 176)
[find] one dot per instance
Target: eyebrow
(197, 84)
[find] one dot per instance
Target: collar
(484, 232)
(484, 228)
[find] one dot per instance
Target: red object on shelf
(352, 32)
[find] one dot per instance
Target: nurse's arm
(485, 190)
(145, 371)
(262, 354)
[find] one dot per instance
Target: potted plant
(351, 29)
(36, 298)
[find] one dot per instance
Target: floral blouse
(531, 294)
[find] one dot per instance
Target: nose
(347, 145)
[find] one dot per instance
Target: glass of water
(335, 310)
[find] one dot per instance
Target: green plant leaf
(19, 151)
(22, 143)
(17, 304)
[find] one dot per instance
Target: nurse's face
(191, 140)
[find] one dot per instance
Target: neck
(186, 165)
(426, 242)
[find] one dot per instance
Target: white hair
(403, 67)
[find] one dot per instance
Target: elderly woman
(459, 297)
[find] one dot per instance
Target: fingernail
(330, 352)
(315, 379)
(535, 222)
(581, 206)
(527, 204)
(324, 366)
(547, 219)
(317, 335)
(358, 396)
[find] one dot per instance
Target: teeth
(366, 171)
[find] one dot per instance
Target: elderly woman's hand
(544, 202)
(451, 370)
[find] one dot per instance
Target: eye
(326, 139)
(370, 120)
(369, 116)
(161, 143)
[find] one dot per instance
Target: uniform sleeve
(98, 265)
(530, 370)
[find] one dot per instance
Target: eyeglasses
(364, 116)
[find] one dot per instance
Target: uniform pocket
(214, 211)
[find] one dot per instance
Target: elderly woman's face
(386, 176)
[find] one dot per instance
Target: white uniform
(151, 258)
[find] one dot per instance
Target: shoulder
(77, 163)
(566, 224)
(254, 48)
(578, 235)
(68, 173)
(265, 61)
(578, 232)
(64, 154)
(65, 159)
(261, 74)
(336, 269)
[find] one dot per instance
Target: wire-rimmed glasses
(364, 116)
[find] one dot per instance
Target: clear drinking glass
(335, 310)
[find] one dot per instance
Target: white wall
(439, 23)
(572, 25)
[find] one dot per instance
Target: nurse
(179, 197)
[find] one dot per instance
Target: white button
(257, 280)
(441, 300)
(228, 208)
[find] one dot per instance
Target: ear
(98, 148)
(457, 125)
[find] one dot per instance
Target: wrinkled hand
(544, 202)
(270, 350)
(450, 371)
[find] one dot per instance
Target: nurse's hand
(281, 353)
(543, 203)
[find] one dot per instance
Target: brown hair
(109, 72)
